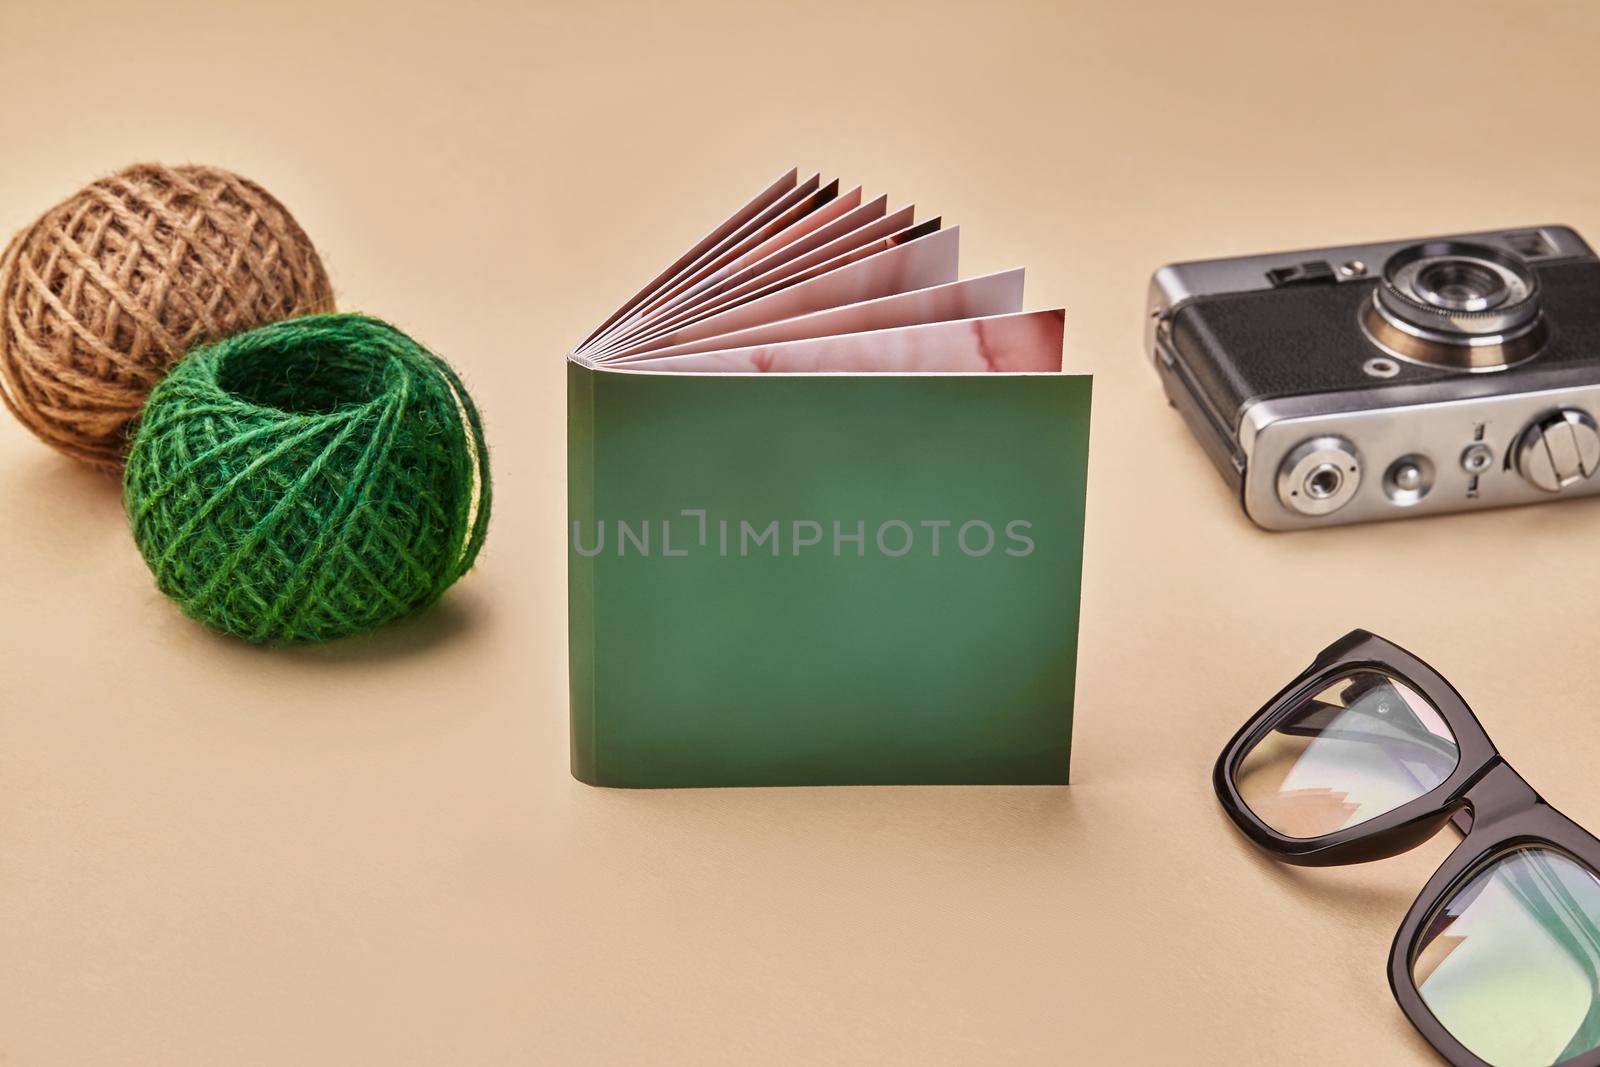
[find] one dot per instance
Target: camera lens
(1459, 285)
(1456, 304)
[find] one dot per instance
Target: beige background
(373, 853)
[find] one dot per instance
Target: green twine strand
(308, 480)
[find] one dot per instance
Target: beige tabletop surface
(373, 853)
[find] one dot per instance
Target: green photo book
(825, 512)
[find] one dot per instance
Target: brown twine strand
(108, 289)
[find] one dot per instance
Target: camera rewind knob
(1559, 450)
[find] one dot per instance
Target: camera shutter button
(1559, 450)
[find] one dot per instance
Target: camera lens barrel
(1456, 292)
(1456, 304)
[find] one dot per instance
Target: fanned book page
(805, 279)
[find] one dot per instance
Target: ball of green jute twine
(308, 480)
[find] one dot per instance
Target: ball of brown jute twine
(109, 288)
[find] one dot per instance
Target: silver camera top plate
(1176, 283)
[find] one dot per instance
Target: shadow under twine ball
(308, 480)
(112, 286)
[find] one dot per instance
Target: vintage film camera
(1387, 380)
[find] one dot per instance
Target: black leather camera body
(1392, 379)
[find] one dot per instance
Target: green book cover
(825, 513)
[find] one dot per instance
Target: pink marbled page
(762, 280)
(733, 223)
(798, 232)
(1028, 341)
(804, 197)
(795, 235)
(929, 260)
(805, 280)
(973, 298)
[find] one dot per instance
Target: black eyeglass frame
(1496, 810)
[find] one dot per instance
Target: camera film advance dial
(1559, 450)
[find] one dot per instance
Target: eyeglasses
(1369, 753)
